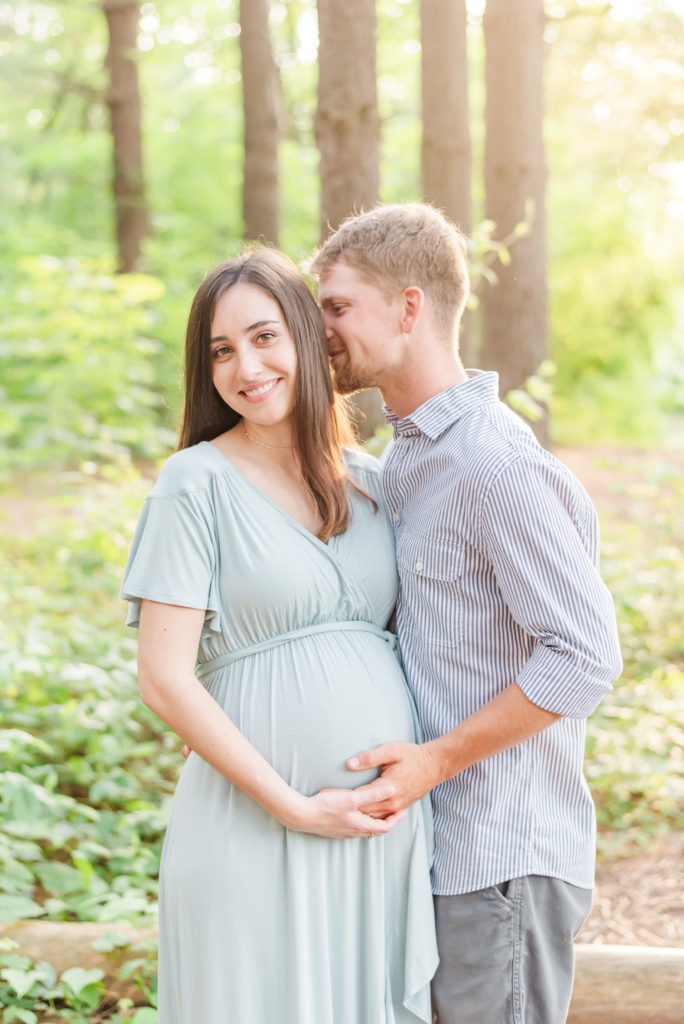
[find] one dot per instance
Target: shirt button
(419, 566)
(396, 517)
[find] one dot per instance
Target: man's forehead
(341, 275)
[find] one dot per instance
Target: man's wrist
(443, 758)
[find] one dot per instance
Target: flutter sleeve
(173, 555)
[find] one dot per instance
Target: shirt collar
(439, 412)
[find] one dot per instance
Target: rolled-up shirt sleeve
(542, 536)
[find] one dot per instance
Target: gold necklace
(273, 447)
(284, 448)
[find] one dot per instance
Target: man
(507, 632)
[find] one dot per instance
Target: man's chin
(345, 387)
(345, 384)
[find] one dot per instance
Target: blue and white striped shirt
(497, 547)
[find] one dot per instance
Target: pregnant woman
(262, 577)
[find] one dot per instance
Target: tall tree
(446, 150)
(348, 132)
(514, 311)
(123, 100)
(260, 99)
(446, 159)
(347, 119)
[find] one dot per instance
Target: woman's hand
(337, 814)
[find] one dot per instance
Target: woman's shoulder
(361, 463)
(365, 470)
(187, 471)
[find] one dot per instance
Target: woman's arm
(167, 647)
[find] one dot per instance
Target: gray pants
(506, 953)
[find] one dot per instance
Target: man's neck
(411, 387)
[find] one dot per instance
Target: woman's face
(253, 355)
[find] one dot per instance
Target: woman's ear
(413, 301)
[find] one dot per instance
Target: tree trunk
(347, 120)
(348, 133)
(260, 92)
(514, 311)
(446, 158)
(123, 100)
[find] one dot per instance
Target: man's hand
(411, 768)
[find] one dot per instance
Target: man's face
(362, 329)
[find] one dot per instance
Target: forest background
(90, 383)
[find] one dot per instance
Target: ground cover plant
(635, 752)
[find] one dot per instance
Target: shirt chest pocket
(431, 598)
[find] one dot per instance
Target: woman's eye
(265, 337)
(221, 352)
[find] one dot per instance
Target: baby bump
(309, 706)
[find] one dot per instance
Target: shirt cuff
(566, 681)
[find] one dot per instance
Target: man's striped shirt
(497, 547)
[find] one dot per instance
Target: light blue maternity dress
(257, 924)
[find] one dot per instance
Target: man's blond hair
(395, 247)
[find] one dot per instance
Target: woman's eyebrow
(252, 327)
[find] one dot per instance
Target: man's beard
(347, 379)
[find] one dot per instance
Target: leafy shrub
(635, 760)
(84, 374)
(31, 991)
(613, 322)
(87, 769)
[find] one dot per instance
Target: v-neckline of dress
(269, 501)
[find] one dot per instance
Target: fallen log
(627, 985)
(65, 944)
(613, 984)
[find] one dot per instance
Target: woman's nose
(250, 363)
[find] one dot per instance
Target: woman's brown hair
(320, 422)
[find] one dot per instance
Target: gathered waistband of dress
(205, 668)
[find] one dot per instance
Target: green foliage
(87, 770)
(636, 738)
(81, 363)
(28, 989)
(615, 210)
(32, 991)
(612, 314)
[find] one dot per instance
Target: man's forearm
(510, 718)
(414, 769)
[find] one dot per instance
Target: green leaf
(17, 908)
(78, 978)
(504, 255)
(145, 1015)
(60, 879)
(19, 1013)
(110, 941)
(20, 981)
